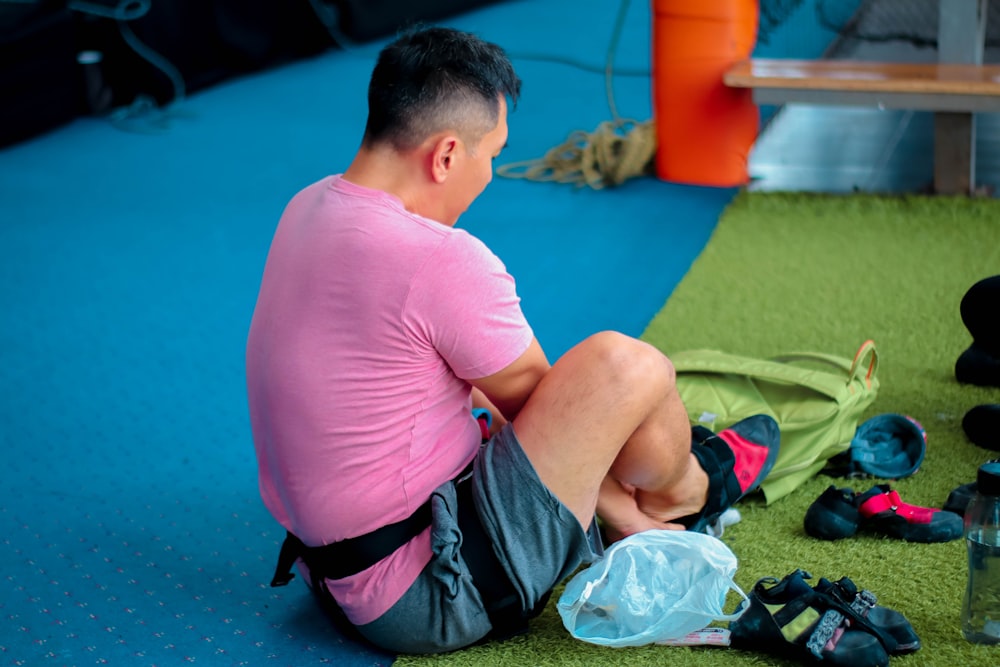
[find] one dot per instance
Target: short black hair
(432, 79)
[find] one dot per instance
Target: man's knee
(629, 362)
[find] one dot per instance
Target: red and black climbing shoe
(736, 460)
(840, 513)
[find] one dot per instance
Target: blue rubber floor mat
(132, 528)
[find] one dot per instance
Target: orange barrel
(704, 129)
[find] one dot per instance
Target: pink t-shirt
(368, 324)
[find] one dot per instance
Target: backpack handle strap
(863, 366)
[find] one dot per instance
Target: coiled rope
(613, 153)
(616, 151)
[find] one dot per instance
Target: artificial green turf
(787, 272)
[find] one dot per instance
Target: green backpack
(817, 400)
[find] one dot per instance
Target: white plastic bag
(649, 587)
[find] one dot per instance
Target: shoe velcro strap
(857, 616)
(860, 601)
(891, 502)
(825, 632)
(864, 602)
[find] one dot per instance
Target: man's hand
(620, 513)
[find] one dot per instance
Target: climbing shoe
(840, 513)
(736, 460)
(788, 618)
(864, 602)
(834, 515)
(882, 511)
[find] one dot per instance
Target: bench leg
(954, 153)
(961, 39)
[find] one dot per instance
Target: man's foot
(737, 460)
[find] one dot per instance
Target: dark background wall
(161, 49)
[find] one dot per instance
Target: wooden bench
(954, 92)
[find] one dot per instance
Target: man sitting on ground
(379, 327)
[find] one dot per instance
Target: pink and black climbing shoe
(840, 513)
(883, 511)
(737, 460)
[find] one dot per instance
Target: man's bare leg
(606, 428)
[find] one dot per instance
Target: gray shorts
(537, 540)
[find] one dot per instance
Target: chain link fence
(909, 24)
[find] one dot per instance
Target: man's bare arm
(506, 391)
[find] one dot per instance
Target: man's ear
(443, 155)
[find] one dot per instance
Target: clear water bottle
(981, 608)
